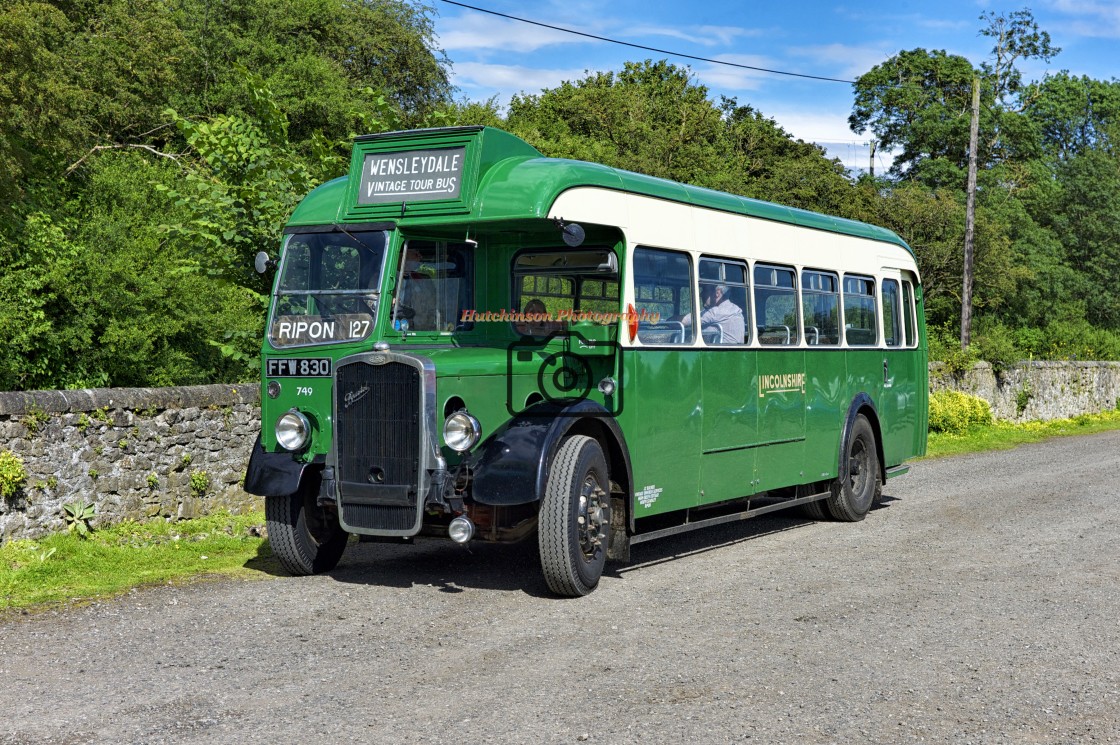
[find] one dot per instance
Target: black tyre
(862, 487)
(306, 538)
(575, 518)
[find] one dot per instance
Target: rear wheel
(854, 495)
(306, 538)
(575, 518)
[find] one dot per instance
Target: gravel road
(979, 604)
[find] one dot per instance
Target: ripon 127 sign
(411, 175)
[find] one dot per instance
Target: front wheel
(306, 538)
(575, 517)
(853, 496)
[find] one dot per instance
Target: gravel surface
(979, 604)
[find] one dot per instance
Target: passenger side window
(723, 302)
(860, 324)
(820, 307)
(908, 315)
(663, 290)
(775, 303)
(892, 330)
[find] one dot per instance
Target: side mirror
(262, 263)
(573, 235)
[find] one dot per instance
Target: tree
(652, 118)
(148, 148)
(1072, 115)
(918, 102)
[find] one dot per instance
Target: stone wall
(136, 453)
(1037, 391)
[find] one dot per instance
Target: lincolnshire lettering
(783, 383)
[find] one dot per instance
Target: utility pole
(970, 218)
(871, 168)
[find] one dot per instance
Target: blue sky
(493, 56)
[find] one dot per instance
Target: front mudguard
(511, 466)
(274, 474)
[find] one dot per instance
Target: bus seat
(712, 333)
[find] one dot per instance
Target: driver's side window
(436, 286)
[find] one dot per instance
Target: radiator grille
(377, 427)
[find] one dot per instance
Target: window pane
(820, 307)
(860, 322)
(663, 286)
(908, 314)
(436, 287)
(892, 331)
(775, 302)
(723, 302)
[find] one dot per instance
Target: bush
(954, 412)
(996, 344)
(945, 347)
(12, 473)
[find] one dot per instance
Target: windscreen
(328, 288)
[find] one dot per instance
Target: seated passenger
(719, 310)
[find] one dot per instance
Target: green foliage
(34, 419)
(918, 102)
(945, 347)
(200, 483)
(153, 481)
(185, 460)
(77, 516)
(956, 412)
(1069, 339)
(995, 343)
(12, 474)
(94, 293)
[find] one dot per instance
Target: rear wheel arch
(865, 405)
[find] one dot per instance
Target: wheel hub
(592, 517)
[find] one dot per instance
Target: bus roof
(503, 177)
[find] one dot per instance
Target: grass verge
(64, 567)
(1005, 435)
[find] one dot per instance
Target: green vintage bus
(469, 340)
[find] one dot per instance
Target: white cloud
(506, 80)
(733, 79)
(708, 36)
(1090, 18)
(842, 60)
(481, 33)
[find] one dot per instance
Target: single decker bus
(469, 340)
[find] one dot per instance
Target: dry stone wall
(1037, 391)
(134, 453)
